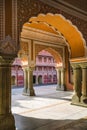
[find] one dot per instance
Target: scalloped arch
(48, 28)
(67, 29)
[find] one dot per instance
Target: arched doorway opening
(57, 33)
(48, 41)
(34, 79)
(13, 82)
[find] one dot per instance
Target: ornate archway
(67, 29)
(34, 40)
(56, 34)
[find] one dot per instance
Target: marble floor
(48, 110)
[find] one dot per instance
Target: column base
(29, 92)
(79, 102)
(61, 87)
(84, 100)
(75, 99)
(7, 122)
(24, 91)
(58, 87)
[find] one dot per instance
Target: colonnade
(80, 84)
(60, 78)
(28, 80)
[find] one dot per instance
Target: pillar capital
(58, 68)
(30, 68)
(63, 69)
(83, 65)
(75, 66)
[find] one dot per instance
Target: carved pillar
(63, 86)
(84, 84)
(58, 79)
(6, 117)
(77, 84)
(7, 54)
(30, 89)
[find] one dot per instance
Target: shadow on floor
(29, 123)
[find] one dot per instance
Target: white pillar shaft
(84, 81)
(30, 89)
(36, 79)
(59, 77)
(62, 77)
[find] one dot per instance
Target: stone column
(63, 86)
(58, 79)
(7, 54)
(30, 89)
(6, 118)
(25, 81)
(84, 84)
(77, 84)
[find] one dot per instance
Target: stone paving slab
(49, 110)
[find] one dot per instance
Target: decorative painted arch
(67, 29)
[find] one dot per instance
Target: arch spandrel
(69, 31)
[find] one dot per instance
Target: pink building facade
(44, 73)
(17, 75)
